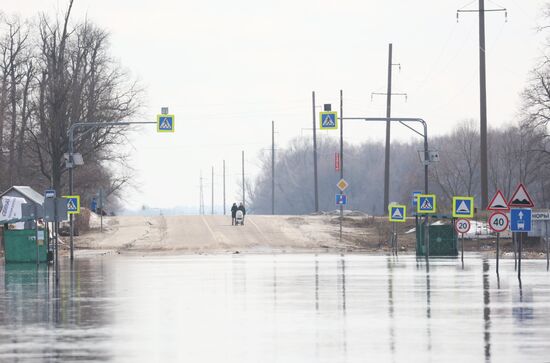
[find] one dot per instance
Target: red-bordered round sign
(462, 225)
(498, 222)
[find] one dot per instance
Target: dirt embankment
(197, 234)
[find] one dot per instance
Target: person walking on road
(241, 208)
(233, 213)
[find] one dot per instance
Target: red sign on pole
(337, 161)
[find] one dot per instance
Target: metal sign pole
(56, 230)
(462, 248)
(547, 256)
(395, 236)
(514, 240)
(36, 232)
(498, 249)
(101, 210)
(427, 242)
(519, 254)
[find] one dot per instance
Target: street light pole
(70, 133)
(424, 134)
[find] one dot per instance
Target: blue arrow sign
(520, 220)
(341, 199)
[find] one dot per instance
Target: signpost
(498, 222)
(328, 120)
(341, 199)
(414, 199)
(463, 207)
(544, 216)
(426, 204)
(521, 198)
(462, 226)
(73, 204)
(397, 213)
(520, 221)
(166, 123)
(498, 203)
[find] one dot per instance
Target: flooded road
(275, 308)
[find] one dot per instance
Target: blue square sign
(520, 220)
(329, 120)
(165, 123)
(341, 199)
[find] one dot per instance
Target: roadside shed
(29, 195)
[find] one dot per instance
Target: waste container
(20, 245)
(443, 239)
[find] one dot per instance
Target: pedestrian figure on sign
(233, 213)
(241, 208)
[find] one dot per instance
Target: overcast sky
(227, 69)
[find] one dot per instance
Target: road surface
(215, 234)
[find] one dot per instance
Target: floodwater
(275, 308)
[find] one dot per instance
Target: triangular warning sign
(498, 202)
(71, 205)
(165, 125)
(397, 214)
(521, 198)
(463, 207)
(426, 205)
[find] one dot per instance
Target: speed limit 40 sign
(498, 222)
(462, 225)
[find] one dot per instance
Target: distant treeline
(54, 73)
(516, 153)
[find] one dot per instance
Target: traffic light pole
(404, 121)
(70, 133)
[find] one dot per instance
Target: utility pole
(315, 181)
(483, 98)
(201, 197)
(212, 199)
(224, 187)
(242, 164)
(273, 167)
(388, 95)
(341, 155)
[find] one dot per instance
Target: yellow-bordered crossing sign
(166, 123)
(397, 213)
(73, 204)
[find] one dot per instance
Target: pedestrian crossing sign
(73, 204)
(329, 120)
(426, 204)
(166, 123)
(463, 207)
(397, 213)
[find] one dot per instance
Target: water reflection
(41, 316)
(486, 311)
(273, 308)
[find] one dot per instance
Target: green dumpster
(443, 239)
(21, 246)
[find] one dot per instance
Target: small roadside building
(11, 210)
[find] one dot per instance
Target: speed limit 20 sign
(498, 222)
(462, 225)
